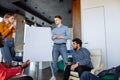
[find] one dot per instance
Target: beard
(75, 48)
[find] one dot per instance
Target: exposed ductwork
(28, 9)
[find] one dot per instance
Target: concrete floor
(42, 74)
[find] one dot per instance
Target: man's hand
(74, 66)
(25, 64)
(58, 37)
(68, 63)
(12, 26)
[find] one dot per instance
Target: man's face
(57, 21)
(75, 46)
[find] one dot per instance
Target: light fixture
(25, 0)
(35, 24)
(24, 21)
(32, 18)
(69, 11)
(60, 0)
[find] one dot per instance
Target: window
(1, 19)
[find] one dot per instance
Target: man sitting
(112, 71)
(86, 75)
(7, 71)
(81, 60)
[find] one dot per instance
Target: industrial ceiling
(40, 11)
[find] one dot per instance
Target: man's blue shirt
(82, 56)
(62, 31)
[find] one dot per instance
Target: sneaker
(53, 78)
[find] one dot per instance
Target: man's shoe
(53, 78)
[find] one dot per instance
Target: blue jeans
(58, 49)
(88, 76)
(8, 50)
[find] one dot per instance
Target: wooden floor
(44, 74)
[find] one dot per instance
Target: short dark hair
(78, 41)
(57, 16)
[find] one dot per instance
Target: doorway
(93, 30)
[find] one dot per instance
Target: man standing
(81, 60)
(60, 35)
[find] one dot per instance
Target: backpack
(113, 71)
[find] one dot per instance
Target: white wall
(112, 27)
(112, 16)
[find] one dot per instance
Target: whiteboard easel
(38, 44)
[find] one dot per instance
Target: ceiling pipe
(32, 11)
(3, 11)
